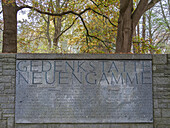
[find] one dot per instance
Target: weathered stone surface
(161, 80)
(160, 59)
(85, 91)
(163, 126)
(8, 55)
(5, 79)
(3, 99)
(0, 115)
(158, 68)
(141, 126)
(10, 122)
(162, 121)
(155, 103)
(166, 113)
(9, 67)
(8, 72)
(157, 112)
(83, 56)
(3, 124)
(84, 126)
(8, 111)
(7, 105)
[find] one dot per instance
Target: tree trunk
(57, 31)
(128, 19)
(10, 27)
(138, 44)
(125, 27)
(143, 32)
(48, 33)
(57, 25)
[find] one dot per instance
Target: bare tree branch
(139, 11)
(95, 3)
(67, 28)
(104, 17)
(66, 13)
(151, 4)
(109, 49)
(53, 14)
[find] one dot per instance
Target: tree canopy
(86, 26)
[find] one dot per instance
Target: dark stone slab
(83, 91)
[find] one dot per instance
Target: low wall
(161, 90)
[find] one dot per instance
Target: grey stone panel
(85, 91)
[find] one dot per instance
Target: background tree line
(86, 26)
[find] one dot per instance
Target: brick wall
(161, 97)
(7, 90)
(161, 87)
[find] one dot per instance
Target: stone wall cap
(45, 56)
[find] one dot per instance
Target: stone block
(7, 55)
(160, 121)
(8, 72)
(155, 103)
(10, 122)
(158, 68)
(166, 113)
(168, 60)
(2, 87)
(168, 56)
(3, 124)
(0, 69)
(7, 115)
(157, 113)
(13, 81)
(3, 99)
(160, 59)
(8, 66)
(161, 80)
(8, 111)
(8, 60)
(165, 100)
(167, 67)
(142, 126)
(7, 105)
(167, 73)
(163, 126)
(9, 91)
(11, 99)
(0, 115)
(158, 74)
(5, 79)
(162, 95)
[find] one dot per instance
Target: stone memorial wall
(80, 91)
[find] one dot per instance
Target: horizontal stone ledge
(44, 56)
(7, 55)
